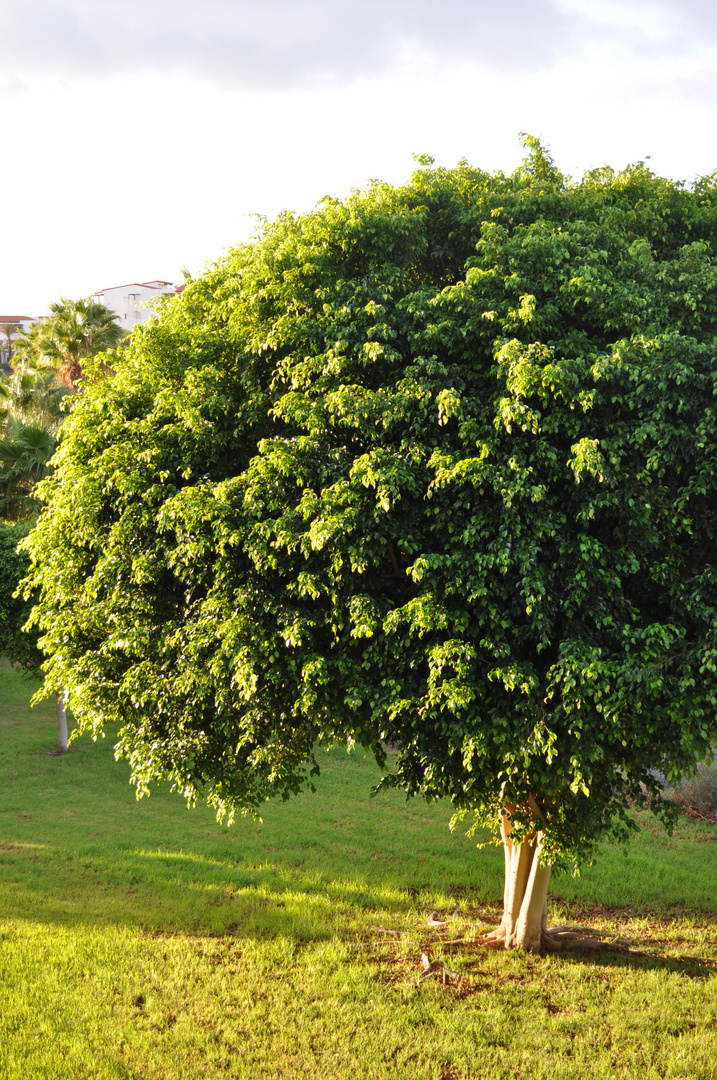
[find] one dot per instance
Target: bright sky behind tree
(141, 136)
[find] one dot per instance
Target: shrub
(698, 796)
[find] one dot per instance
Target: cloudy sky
(144, 135)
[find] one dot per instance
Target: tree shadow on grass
(616, 941)
(619, 955)
(691, 966)
(644, 939)
(178, 892)
(622, 954)
(185, 893)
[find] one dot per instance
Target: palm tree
(33, 397)
(31, 413)
(75, 331)
(25, 453)
(8, 329)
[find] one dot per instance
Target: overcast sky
(142, 136)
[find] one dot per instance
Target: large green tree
(434, 467)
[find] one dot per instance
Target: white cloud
(285, 44)
(278, 43)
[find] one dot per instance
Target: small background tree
(31, 414)
(18, 647)
(8, 331)
(73, 333)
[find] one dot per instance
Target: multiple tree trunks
(525, 899)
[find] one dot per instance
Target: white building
(132, 302)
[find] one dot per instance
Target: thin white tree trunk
(62, 722)
(505, 829)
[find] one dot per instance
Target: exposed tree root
(559, 939)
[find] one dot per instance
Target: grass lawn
(142, 939)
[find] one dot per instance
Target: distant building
(131, 302)
(10, 327)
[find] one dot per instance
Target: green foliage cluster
(433, 467)
(18, 647)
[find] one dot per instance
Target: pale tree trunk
(62, 722)
(525, 903)
(525, 898)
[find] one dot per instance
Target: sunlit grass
(142, 939)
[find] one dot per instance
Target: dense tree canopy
(433, 467)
